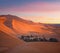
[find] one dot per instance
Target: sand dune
(8, 41)
(25, 28)
(13, 26)
(7, 30)
(42, 47)
(20, 25)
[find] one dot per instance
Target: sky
(44, 11)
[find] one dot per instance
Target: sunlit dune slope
(25, 27)
(4, 28)
(6, 24)
(22, 27)
(8, 37)
(7, 30)
(46, 31)
(7, 20)
(8, 41)
(14, 25)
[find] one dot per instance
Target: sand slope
(11, 26)
(42, 47)
(8, 41)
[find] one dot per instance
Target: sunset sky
(44, 11)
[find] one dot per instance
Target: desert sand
(11, 26)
